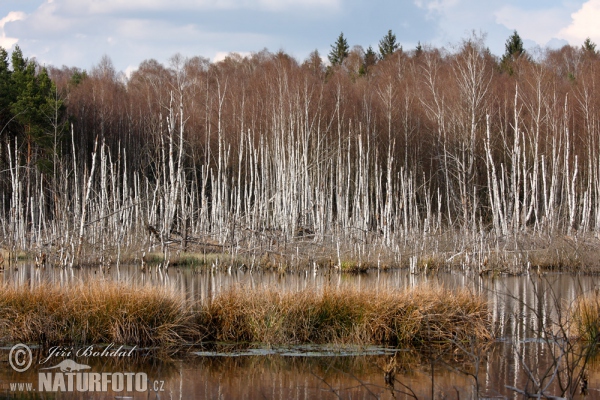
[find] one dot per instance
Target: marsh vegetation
(294, 329)
(431, 157)
(431, 160)
(104, 312)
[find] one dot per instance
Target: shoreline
(108, 312)
(523, 253)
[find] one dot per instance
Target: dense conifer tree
(370, 57)
(5, 92)
(370, 60)
(30, 108)
(418, 49)
(589, 47)
(388, 45)
(339, 50)
(513, 50)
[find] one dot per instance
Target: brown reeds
(586, 317)
(415, 317)
(102, 312)
(96, 312)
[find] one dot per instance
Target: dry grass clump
(416, 317)
(109, 312)
(96, 312)
(586, 317)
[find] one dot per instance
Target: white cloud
(221, 55)
(540, 25)
(279, 5)
(48, 19)
(436, 5)
(584, 24)
(130, 70)
(117, 6)
(457, 19)
(158, 33)
(5, 41)
(89, 7)
(79, 32)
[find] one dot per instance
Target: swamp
(422, 226)
(532, 320)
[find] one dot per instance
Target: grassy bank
(96, 312)
(148, 316)
(414, 317)
(586, 317)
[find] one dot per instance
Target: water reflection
(277, 376)
(203, 283)
(521, 308)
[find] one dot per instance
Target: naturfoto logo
(69, 375)
(69, 366)
(92, 381)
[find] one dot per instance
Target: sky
(78, 33)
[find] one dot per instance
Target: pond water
(521, 307)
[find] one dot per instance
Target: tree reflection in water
(534, 353)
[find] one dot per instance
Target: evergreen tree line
(30, 108)
(375, 147)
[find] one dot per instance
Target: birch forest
(423, 157)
